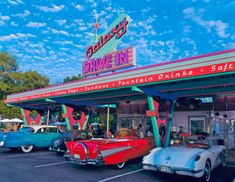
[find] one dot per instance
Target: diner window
(197, 124)
(129, 122)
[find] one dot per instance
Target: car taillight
(197, 158)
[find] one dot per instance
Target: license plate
(76, 156)
(165, 169)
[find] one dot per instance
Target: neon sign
(118, 31)
(113, 61)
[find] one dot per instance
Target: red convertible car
(114, 151)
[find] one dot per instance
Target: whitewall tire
(27, 148)
(120, 165)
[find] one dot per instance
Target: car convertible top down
(194, 156)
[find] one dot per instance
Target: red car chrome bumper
(75, 158)
(99, 161)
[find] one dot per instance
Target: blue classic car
(29, 137)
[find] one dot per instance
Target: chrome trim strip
(109, 152)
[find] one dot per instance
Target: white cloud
(219, 26)
(78, 35)
(153, 32)
(80, 22)
(15, 37)
(79, 7)
(89, 34)
(98, 15)
(34, 49)
(145, 10)
(5, 18)
(35, 24)
(93, 3)
(186, 29)
(63, 49)
(24, 14)
(190, 42)
(65, 42)
(61, 22)
(189, 11)
(82, 28)
(14, 24)
(15, 2)
(62, 32)
(53, 9)
(45, 31)
(80, 46)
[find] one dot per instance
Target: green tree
(72, 78)
(13, 81)
(28, 80)
(8, 66)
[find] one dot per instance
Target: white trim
(52, 164)
(23, 155)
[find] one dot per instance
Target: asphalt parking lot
(43, 165)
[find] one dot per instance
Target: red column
(29, 120)
(81, 121)
(160, 121)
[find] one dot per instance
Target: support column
(24, 117)
(68, 115)
(170, 110)
(161, 133)
(153, 106)
(65, 116)
(28, 120)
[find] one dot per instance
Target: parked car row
(194, 155)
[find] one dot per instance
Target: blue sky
(51, 36)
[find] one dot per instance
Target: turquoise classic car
(29, 137)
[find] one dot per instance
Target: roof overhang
(210, 74)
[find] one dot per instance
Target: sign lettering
(109, 62)
(117, 31)
(151, 78)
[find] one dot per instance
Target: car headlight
(197, 158)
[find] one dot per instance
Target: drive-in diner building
(197, 93)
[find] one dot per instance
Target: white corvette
(192, 157)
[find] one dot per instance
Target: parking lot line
(23, 155)
(120, 175)
(52, 164)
